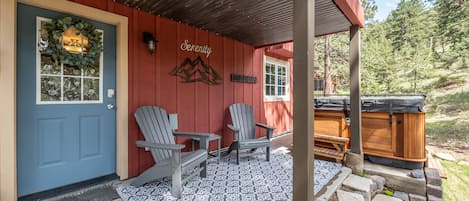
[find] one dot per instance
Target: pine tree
(453, 31)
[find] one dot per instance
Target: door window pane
(62, 83)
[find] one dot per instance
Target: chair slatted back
(154, 124)
(242, 116)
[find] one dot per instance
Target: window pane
(282, 80)
(48, 67)
(283, 91)
(71, 70)
(72, 89)
(92, 71)
(272, 91)
(50, 88)
(281, 70)
(91, 89)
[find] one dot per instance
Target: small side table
(211, 137)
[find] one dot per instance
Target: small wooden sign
(243, 78)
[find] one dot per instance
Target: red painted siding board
(102, 4)
(228, 86)
(238, 69)
(185, 91)
(201, 89)
(248, 52)
(257, 93)
(216, 109)
(168, 49)
(144, 73)
(156, 60)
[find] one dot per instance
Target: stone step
(357, 184)
(348, 196)
(397, 178)
(381, 197)
(415, 197)
(335, 185)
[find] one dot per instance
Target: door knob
(111, 106)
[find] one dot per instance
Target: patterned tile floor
(254, 179)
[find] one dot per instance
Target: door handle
(111, 106)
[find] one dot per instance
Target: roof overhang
(254, 22)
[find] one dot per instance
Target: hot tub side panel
(402, 137)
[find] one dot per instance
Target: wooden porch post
(356, 157)
(8, 100)
(303, 142)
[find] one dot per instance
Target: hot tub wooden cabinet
(392, 127)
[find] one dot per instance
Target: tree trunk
(328, 88)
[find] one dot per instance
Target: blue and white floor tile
(253, 180)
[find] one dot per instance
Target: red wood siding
(200, 107)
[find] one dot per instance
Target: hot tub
(393, 127)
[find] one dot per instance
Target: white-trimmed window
(276, 80)
(64, 84)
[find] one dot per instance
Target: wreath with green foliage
(50, 43)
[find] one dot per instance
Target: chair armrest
(231, 127)
(269, 129)
(202, 136)
(192, 134)
(152, 145)
(235, 131)
(264, 126)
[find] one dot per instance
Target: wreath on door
(74, 52)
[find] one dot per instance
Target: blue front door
(65, 129)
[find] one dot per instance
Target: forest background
(422, 47)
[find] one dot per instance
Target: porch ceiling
(254, 22)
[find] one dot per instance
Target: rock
(417, 173)
(332, 198)
(435, 190)
(401, 195)
(445, 156)
(464, 163)
(377, 185)
(433, 176)
(434, 198)
(348, 196)
(381, 197)
(355, 162)
(357, 183)
(379, 180)
(415, 197)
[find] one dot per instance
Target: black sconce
(150, 40)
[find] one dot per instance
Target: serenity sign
(205, 49)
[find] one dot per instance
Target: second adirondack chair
(170, 161)
(244, 129)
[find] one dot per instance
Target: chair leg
(203, 172)
(218, 150)
(176, 183)
(237, 156)
(267, 153)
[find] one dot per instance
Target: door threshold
(69, 188)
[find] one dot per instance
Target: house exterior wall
(200, 107)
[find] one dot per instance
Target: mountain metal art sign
(196, 71)
(205, 49)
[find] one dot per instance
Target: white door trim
(8, 173)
